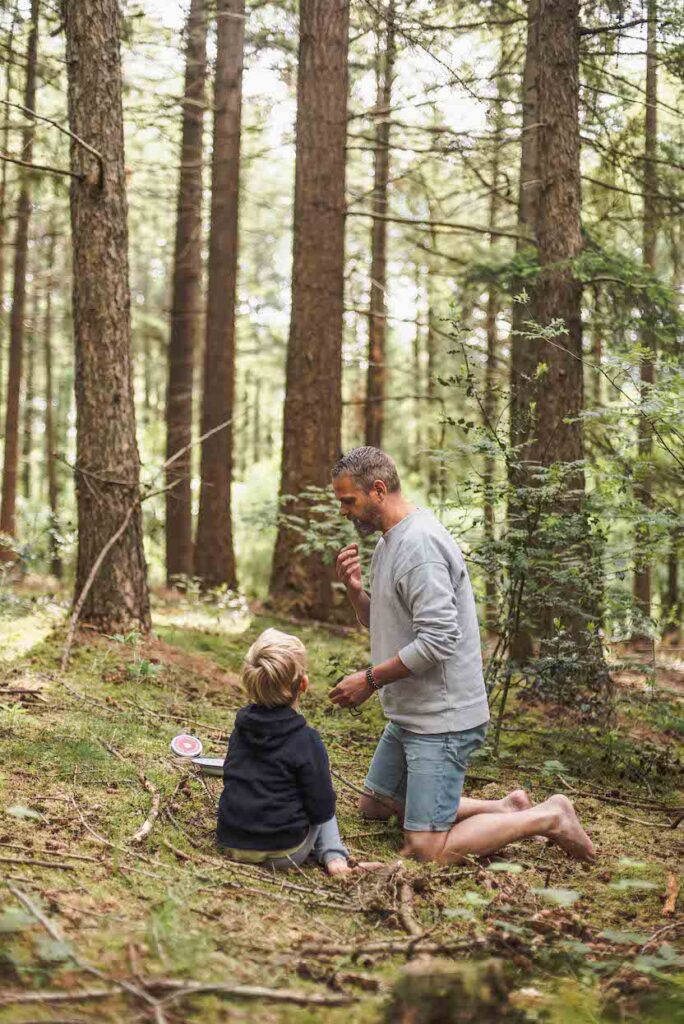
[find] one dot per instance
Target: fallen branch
(672, 894)
(405, 909)
(75, 996)
(38, 863)
(389, 947)
(180, 989)
(147, 825)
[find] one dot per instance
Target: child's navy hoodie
(276, 781)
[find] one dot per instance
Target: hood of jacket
(267, 728)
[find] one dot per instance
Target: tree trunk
(29, 391)
(214, 554)
(492, 335)
(186, 303)
(377, 317)
(9, 61)
(312, 416)
(14, 375)
(557, 295)
(107, 460)
(256, 423)
(50, 462)
(641, 582)
(523, 348)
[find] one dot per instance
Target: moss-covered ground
(96, 926)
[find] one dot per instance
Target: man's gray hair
(365, 466)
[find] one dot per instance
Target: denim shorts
(424, 772)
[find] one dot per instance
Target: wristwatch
(370, 678)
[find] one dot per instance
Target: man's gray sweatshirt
(422, 608)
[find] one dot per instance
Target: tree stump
(443, 992)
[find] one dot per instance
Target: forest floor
(96, 924)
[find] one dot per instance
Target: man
(427, 671)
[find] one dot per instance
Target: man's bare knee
(377, 810)
(424, 846)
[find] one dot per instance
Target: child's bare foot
(338, 866)
(516, 800)
(569, 834)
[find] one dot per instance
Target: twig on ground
(50, 853)
(389, 947)
(672, 894)
(75, 996)
(405, 913)
(179, 989)
(147, 825)
(641, 821)
(362, 792)
(659, 934)
(58, 865)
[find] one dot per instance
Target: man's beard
(363, 527)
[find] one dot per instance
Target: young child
(278, 803)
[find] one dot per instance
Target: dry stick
(55, 934)
(77, 996)
(38, 863)
(60, 127)
(147, 825)
(388, 947)
(405, 909)
(45, 168)
(97, 564)
(180, 989)
(642, 821)
(49, 853)
(659, 934)
(362, 792)
(672, 894)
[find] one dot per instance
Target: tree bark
(557, 295)
(29, 391)
(377, 316)
(641, 580)
(186, 303)
(16, 351)
(107, 460)
(9, 61)
(214, 554)
(312, 415)
(523, 348)
(50, 461)
(489, 399)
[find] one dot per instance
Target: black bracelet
(370, 678)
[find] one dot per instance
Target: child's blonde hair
(273, 669)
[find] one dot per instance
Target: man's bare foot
(569, 834)
(516, 800)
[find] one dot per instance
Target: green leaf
(623, 938)
(53, 951)
(460, 912)
(627, 862)
(550, 767)
(560, 897)
(17, 811)
(504, 865)
(14, 920)
(475, 899)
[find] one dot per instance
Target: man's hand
(351, 691)
(348, 568)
